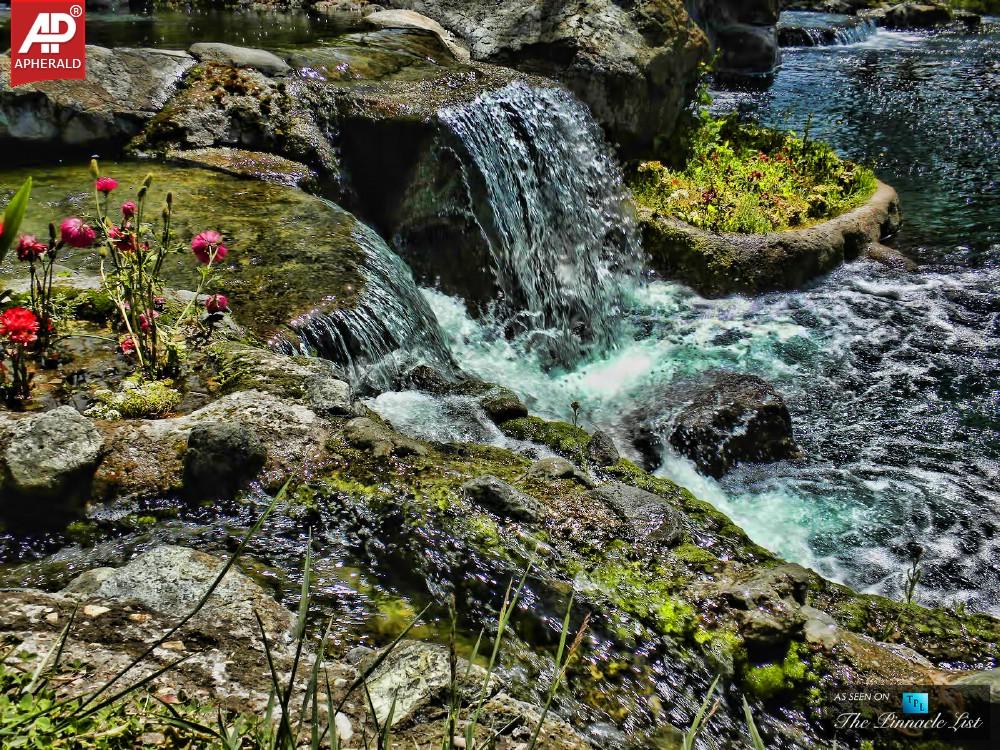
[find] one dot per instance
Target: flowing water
(821, 29)
(891, 377)
(560, 237)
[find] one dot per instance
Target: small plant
(576, 406)
(18, 335)
(914, 573)
(133, 253)
(705, 712)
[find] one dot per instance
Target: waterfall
(550, 200)
(390, 327)
(855, 32)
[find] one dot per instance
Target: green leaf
(13, 216)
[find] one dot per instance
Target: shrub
(750, 179)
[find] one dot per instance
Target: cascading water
(554, 214)
(390, 327)
(891, 377)
(809, 29)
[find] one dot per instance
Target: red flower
(77, 234)
(122, 239)
(19, 325)
(29, 248)
(127, 345)
(146, 320)
(217, 303)
(159, 303)
(756, 175)
(207, 246)
(106, 184)
(128, 209)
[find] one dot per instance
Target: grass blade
(755, 738)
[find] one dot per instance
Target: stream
(891, 377)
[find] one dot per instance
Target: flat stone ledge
(719, 264)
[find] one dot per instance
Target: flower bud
(95, 171)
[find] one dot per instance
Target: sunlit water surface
(891, 377)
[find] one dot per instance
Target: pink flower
(128, 209)
(106, 184)
(122, 239)
(159, 303)
(19, 325)
(208, 247)
(146, 320)
(76, 233)
(217, 303)
(127, 345)
(29, 248)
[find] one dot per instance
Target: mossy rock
(566, 439)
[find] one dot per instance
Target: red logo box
(47, 41)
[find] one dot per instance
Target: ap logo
(47, 41)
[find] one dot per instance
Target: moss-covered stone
(562, 437)
(137, 398)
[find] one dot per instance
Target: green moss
(770, 680)
(648, 593)
(137, 399)
(748, 179)
(562, 437)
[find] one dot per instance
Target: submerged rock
(408, 19)
(48, 457)
(123, 90)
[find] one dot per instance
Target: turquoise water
(892, 378)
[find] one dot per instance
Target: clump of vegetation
(137, 398)
(738, 177)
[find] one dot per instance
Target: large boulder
(743, 33)
(733, 419)
(123, 90)
(726, 419)
(634, 64)
(916, 16)
(48, 457)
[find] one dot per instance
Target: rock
(650, 517)
(768, 606)
(124, 88)
(408, 19)
(731, 419)
(557, 467)
(50, 456)
(634, 64)
(990, 679)
(601, 450)
(717, 265)
(146, 458)
(502, 498)
(890, 257)
(266, 62)
(502, 404)
(329, 396)
(414, 675)
(968, 18)
(170, 580)
(241, 163)
(742, 32)
(916, 16)
(221, 458)
(366, 433)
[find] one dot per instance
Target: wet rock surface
(743, 34)
(733, 419)
(48, 457)
(123, 90)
